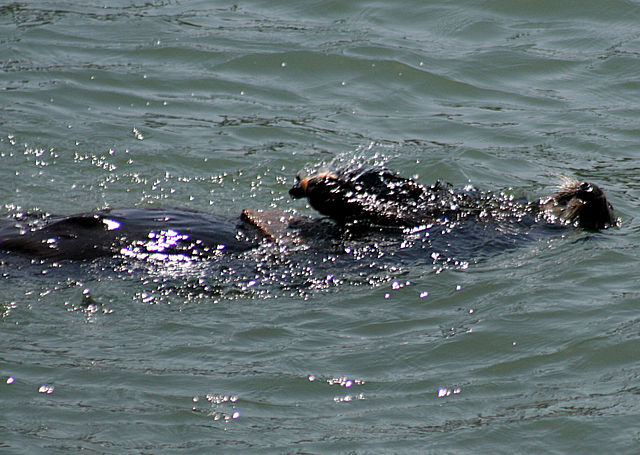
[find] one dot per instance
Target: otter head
(582, 204)
(326, 192)
(369, 195)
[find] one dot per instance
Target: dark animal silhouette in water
(383, 198)
(360, 202)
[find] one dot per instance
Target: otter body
(380, 197)
(361, 203)
(131, 232)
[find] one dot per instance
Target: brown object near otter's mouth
(273, 225)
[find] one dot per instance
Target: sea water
(214, 106)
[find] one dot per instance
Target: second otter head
(582, 204)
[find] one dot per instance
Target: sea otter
(380, 197)
(359, 202)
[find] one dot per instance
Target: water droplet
(46, 388)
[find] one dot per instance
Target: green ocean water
(214, 106)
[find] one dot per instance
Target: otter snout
(596, 212)
(299, 189)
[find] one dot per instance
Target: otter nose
(298, 190)
(588, 191)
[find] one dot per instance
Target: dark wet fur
(377, 196)
(140, 232)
